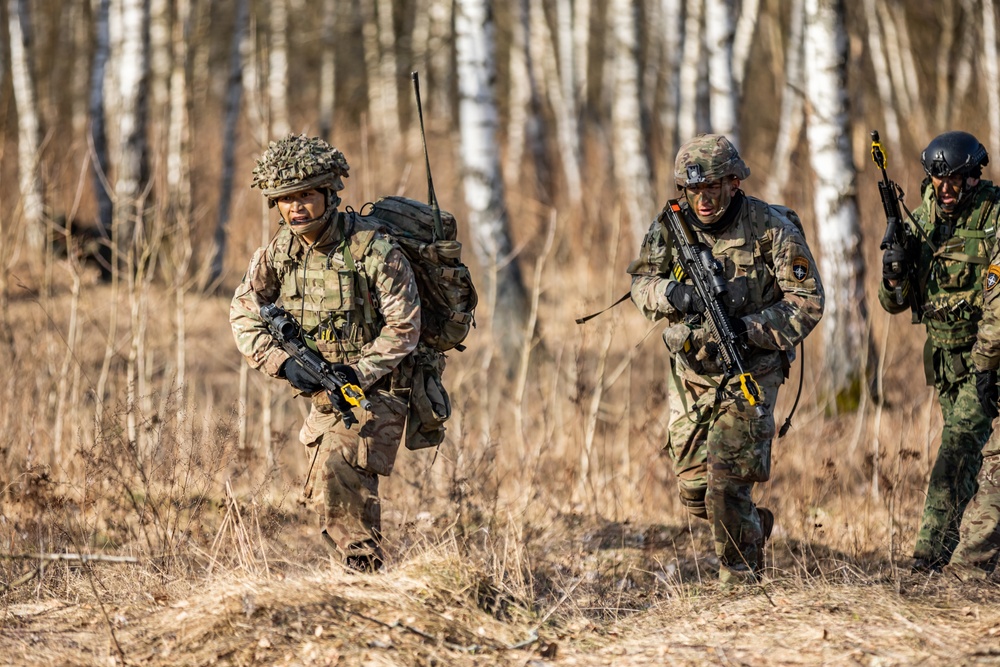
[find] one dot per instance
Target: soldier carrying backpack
(352, 291)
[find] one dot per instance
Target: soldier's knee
(693, 498)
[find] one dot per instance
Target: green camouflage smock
(717, 445)
(368, 317)
(948, 288)
(979, 545)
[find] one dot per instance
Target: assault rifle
(706, 273)
(897, 232)
(287, 332)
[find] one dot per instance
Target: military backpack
(448, 301)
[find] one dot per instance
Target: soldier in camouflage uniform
(718, 445)
(978, 548)
(941, 282)
(353, 292)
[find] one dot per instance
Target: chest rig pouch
(327, 291)
(952, 281)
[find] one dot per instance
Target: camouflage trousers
(719, 451)
(979, 545)
(953, 477)
(357, 456)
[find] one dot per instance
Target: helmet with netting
(298, 163)
(954, 153)
(707, 158)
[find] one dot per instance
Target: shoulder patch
(800, 268)
(992, 278)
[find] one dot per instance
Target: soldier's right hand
(894, 262)
(989, 393)
(299, 378)
(684, 298)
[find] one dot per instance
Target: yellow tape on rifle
(752, 395)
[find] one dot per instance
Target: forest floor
(623, 597)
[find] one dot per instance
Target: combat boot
(736, 576)
(364, 557)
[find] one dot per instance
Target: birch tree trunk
(388, 81)
(631, 162)
(564, 104)
(992, 73)
(484, 193)
(673, 19)
(719, 31)
(277, 73)
(131, 116)
(98, 135)
(581, 50)
(234, 92)
(543, 60)
(692, 54)
(327, 71)
(883, 80)
(524, 127)
(845, 323)
(29, 125)
(746, 28)
(792, 109)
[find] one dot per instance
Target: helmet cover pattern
(706, 158)
(298, 163)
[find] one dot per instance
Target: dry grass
(548, 521)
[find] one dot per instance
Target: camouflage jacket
(361, 306)
(950, 270)
(774, 287)
(986, 350)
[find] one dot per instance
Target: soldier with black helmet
(942, 280)
(353, 293)
(719, 444)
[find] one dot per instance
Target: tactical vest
(329, 294)
(951, 277)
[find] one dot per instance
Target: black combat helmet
(954, 153)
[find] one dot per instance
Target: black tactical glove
(894, 262)
(739, 329)
(348, 374)
(297, 376)
(989, 393)
(684, 298)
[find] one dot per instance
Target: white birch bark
(844, 324)
(964, 69)
(159, 53)
(673, 36)
(521, 91)
(388, 80)
(277, 73)
(581, 49)
(883, 80)
(792, 109)
(328, 70)
(481, 181)
(234, 92)
(253, 82)
(133, 79)
(631, 161)
(746, 28)
(992, 72)
(693, 52)
(719, 31)
(944, 68)
(29, 126)
(567, 131)
(178, 133)
(431, 37)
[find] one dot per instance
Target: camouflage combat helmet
(298, 163)
(708, 157)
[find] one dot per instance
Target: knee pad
(693, 498)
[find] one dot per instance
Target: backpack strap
(359, 245)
